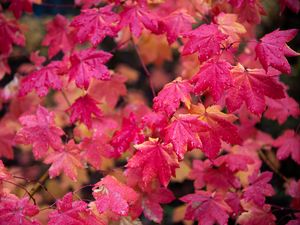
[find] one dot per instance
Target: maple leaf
(20, 6)
(9, 34)
(176, 24)
(293, 189)
(94, 149)
(205, 40)
(258, 188)
(156, 121)
(4, 67)
(288, 144)
(113, 196)
(41, 80)
(251, 86)
(221, 128)
(208, 208)
(234, 161)
(156, 160)
(95, 24)
(137, 17)
(40, 131)
(151, 203)
(257, 215)
(68, 211)
(65, 160)
(183, 133)
(129, 133)
(169, 98)
(272, 49)
(83, 108)
(58, 36)
(281, 109)
(15, 211)
(86, 64)
(213, 75)
(109, 90)
(6, 141)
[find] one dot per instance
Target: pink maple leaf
(151, 203)
(20, 6)
(259, 188)
(109, 90)
(15, 211)
(234, 161)
(40, 131)
(42, 80)
(261, 215)
(156, 160)
(183, 133)
(293, 5)
(83, 108)
(58, 36)
(86, 64)
(137, 17)
(169, 98)
(9, 34)
(95, 24)
(65, 160)
(113, 196)
(214, 75)
(272, 49)
(6, 141)
(208, 208)
(288, 144)
(251, 86)
(176, 24)
(68, 211)
(206, 40)
(281, 109)
(4, 174)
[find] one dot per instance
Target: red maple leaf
(222, 128)
(281, 109)
(258, 188)
(15, 211)
(169, 98)
(214, 75)
(151, 203)
(20, 6)
(156, 160)
(206, 40)
(9, 34)
(272, 49)
(129, 133)
(183, 133)
(95, 24)
(58, 36)
(86, 64)
(257, 215)
(234, 161)
(6, 141)
(137, 17)
(208, 208)
(68, 211)
(82, 110)
(42, 80)
(176, 24)
(40, 131)
(288, 144)
(251, 86)
(113, 196)
(65, 160)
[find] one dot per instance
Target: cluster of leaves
(205, 119)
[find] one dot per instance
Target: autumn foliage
(87, 139)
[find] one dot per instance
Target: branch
(144, 66)
(23, 188)
(39, 183)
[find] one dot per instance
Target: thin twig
(269, 163)
(66, 98)
(144, 67)
(23, 188)
(39, 183)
